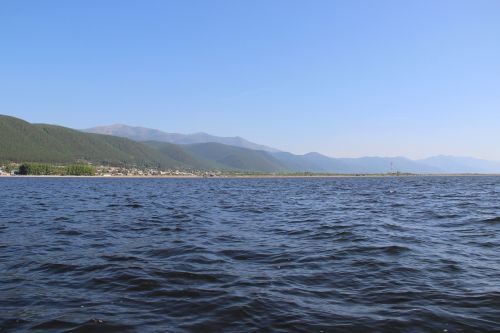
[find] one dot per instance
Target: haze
(344, 78)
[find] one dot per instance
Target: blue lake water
(402, 254)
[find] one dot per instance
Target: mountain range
(148, 134)
(123, 145)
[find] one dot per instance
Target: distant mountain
(180, 154)
(387, 164)
(300, 162)
(316, 162)
(328, 163)
(148, 134)
(236, 158)
(453, 164)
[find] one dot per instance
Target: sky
(344, 78)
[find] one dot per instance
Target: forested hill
(21, 141)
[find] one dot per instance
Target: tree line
(40, 169)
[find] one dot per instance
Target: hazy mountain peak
(314, 153)
(149, 134)
(462, 164)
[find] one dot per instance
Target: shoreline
(261, 176)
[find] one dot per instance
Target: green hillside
(21, 141)
(236, 158)
(181, 154)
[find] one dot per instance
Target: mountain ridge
(139, 133)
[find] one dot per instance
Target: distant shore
(263, 176)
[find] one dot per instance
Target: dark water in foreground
(250, 255)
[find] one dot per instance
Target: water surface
(406, 254)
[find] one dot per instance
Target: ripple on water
(92, 325)
(493, 220)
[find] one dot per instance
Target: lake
(388, 254)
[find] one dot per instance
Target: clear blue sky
(345, 78)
